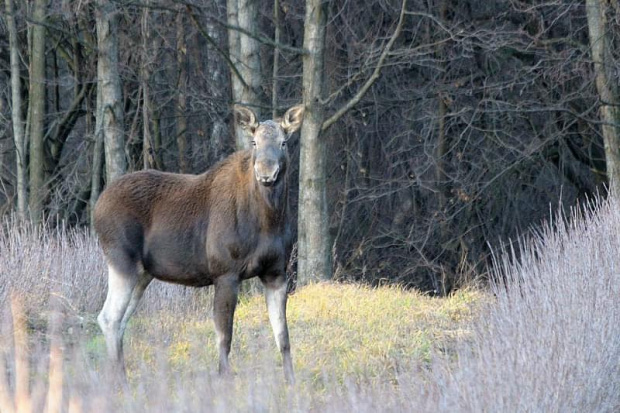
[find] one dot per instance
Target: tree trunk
(218, 87)
(37, 112)
(17, 114)
(276, 60)
(233, 46)
(313, 243)
(245, 54)
(111, 110)
(181, 101)
(95, 179)
(441, 177)
(609, 113)
(148, 140)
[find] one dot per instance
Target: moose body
(221, 227)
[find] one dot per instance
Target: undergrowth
(543, 337)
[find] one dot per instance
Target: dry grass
(545, 338)
(339, 332)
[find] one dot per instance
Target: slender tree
(245, 54)
(17, 113)
(606, 85)
(149, 147)
(314, 259)
(98, 158)
(111, 109)
(181, 97)
(276, 59)
(313, 237)
(218, 85)
(36, 97)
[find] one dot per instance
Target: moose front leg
(224, 303)
(276, 296)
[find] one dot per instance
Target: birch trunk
(17, 113)
(218, 86)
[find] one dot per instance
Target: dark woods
(485, 116)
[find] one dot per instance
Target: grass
(349, 332)
(345, 337)
(544, 337)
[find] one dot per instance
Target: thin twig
(215, 46)
(373, 78)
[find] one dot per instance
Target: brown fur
(190, 229)
(223, 226)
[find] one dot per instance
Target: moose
(218, 228)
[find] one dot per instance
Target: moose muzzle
(266, 171)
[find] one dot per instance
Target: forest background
(434, 128)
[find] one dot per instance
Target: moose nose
(266, 174)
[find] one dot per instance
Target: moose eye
(283, 144)
(254, 144)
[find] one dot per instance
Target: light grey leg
(275, 296)
(136, 295)
(124, 293)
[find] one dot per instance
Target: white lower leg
(120, 288)
(276, 297)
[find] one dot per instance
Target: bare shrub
(38, 262)
(547, 340)
(551, 340)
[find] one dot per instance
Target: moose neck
(271, 201)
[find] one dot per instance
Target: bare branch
(261, 38)
(212, 42)
(373, 78)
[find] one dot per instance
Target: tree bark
(233, 46)
(17, 113)
(218, 86)
(313, 237)
(37, 112)
(181, 101)
(245, 54)
(98, 155)
(111, 110)
(276, 60)
(148, 140)
(609, 113)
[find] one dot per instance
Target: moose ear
(291, 121)
(246, 118)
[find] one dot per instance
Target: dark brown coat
(190, 229)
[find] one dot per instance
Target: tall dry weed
(547, 341)
(39, 262)
(551, 340)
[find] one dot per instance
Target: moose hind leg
(120, 289)
(224, 304)
(144, 280)
(276, 296)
